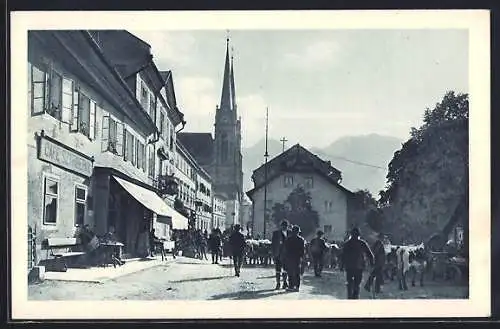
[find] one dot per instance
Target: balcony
(167, 185)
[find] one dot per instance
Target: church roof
(200, 145)
(296, 158)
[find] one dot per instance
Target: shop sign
(63, 156)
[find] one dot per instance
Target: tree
(297, 209)
(428, 175)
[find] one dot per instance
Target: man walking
(353, 262)
(278, 249)
(294, 252)
(318, 249)
(378, 268)
(237, 244)
(214, 243)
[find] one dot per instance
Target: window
(129, 146)
(144, 95)
(80, 205)
(327, 229)
(224, 148)
(39, 90)
(152, 105)
(112, 135)
(162, 123)
(288, 181)
(328, 206)
(51, 198)
(86, 116)
(172, 140)
(151, 168)
(309, 182)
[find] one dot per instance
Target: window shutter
(143, 158)
(138, 87)
(125, 145)
(138, 152)
(119, 138)
(67, 100)
(38, 90)
(74, 120)
(48, 76)
(105, 133)
(30, 87)
(92, 120)
(134, 156)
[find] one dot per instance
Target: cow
(410, 260)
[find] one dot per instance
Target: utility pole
(265, 174)
(283, 140)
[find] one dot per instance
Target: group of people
(289, 250)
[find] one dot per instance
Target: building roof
(200, 145)
(297, 158)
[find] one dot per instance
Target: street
(192, 279)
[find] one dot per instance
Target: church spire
(226, 100)
(233, 91)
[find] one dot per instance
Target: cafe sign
(53, 151)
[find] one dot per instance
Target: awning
(153, 202)
(176, 220)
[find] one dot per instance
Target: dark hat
(284, 223)
(237, 227)
(355, 232)
(320, 233)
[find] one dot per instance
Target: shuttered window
(112, 135)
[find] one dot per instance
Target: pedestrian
(353, 262)
(237, 245)
(214, 244)
(278, 249)
(294, 253)
(204, 245)
(378, 268)
(318, 248)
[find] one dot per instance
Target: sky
(319, 85)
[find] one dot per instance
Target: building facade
(219, 212)
(221, 155)
(204, 197)
(187, 177)
(92, 140)
(299, 167)
(246, 215)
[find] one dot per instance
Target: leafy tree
(297, 209)
(428, 175)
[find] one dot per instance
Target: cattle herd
(413, 262)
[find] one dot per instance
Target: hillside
(372, 149)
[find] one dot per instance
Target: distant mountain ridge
(362, 159)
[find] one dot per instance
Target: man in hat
(318, 248)
(294, 252)
(353, 262)
(237, 244)
(278, 249)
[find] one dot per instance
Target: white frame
(76, 201)
(57, 179)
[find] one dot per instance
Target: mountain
(348, 154)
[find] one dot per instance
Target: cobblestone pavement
(191, 279)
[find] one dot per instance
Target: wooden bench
(55, 245)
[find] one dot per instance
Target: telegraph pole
(266, 154)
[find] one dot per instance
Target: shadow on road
(251, 294)
(332, 283)
(202, 279)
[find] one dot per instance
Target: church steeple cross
(283, 140)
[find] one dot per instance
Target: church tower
(227, 160)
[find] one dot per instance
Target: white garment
(284, 233)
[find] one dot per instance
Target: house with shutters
(101, 137)
(296, 167)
